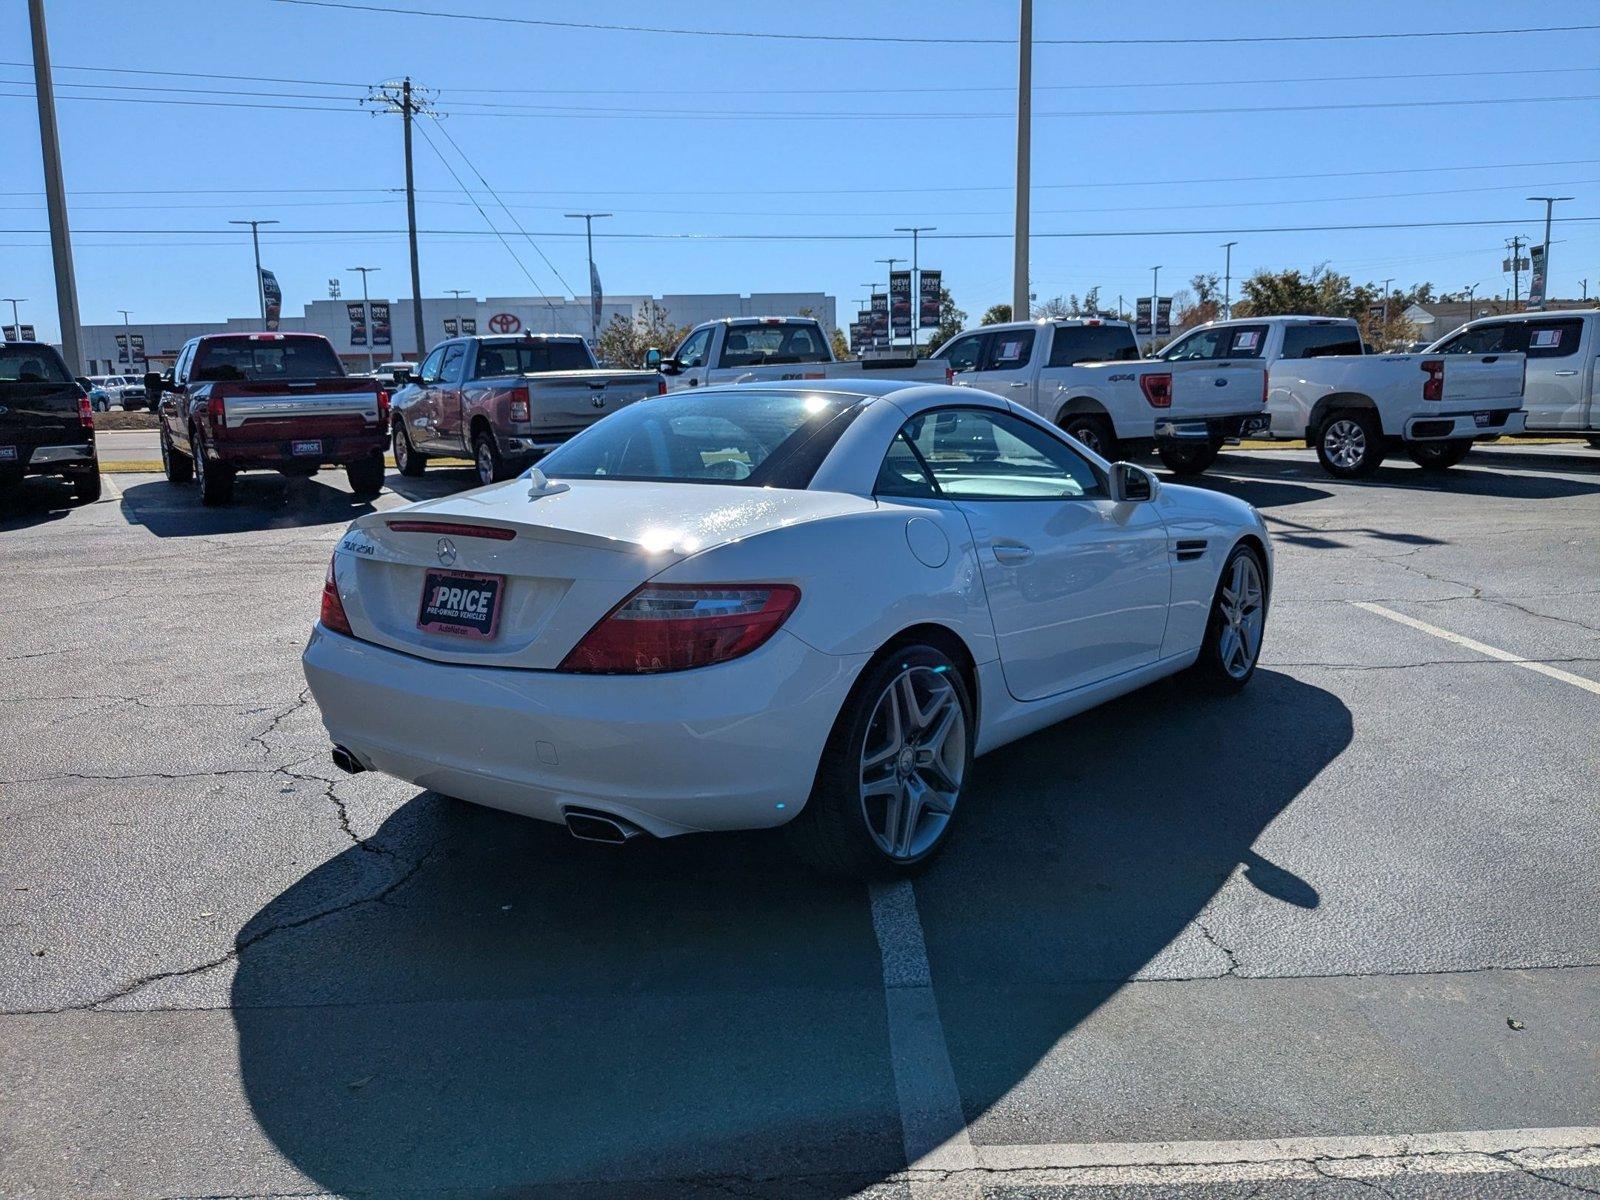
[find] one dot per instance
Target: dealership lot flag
(880, 319)
(930, 285)
(358, 323)
(449, 327)
(122, 347)
(596, 294)
(469, 326)
(136, 348)
(380, 323)
(1163, 316)
(900, 303)
(28, 334)
(1536, 280)
(272, 297)
(10, 332)
(1141, 316)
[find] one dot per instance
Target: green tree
(1204, 305)
(624, 342)
(841, 345)
(996, 314)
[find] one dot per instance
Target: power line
(594, 26)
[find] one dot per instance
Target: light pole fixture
(255, 242)
(14, 301)
(1227, 280)
(366, 311)
(914, 231)
(588, 219)
(1549, 203)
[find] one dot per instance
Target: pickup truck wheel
(1188, 458)
(179, 467)
(215, 479)
(366, 475)
(1438, 456)
(87, 487)
(1349, 443)
(1094, 432)
(491, 467)
(407, 460)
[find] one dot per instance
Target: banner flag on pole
(272, 295)
(931, 286)
(900, 304)
(358, 323)
(380, 323)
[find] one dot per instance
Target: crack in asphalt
(1205, 932)
(1505, 1156)
(260, 739)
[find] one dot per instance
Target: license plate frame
(1482, 419)
(440, 613)
(306, 448)
(8, 454)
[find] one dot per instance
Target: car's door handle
(1011, 553)
(1565, 373)
(1018, 383)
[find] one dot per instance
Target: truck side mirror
(154, 385)
(652, 359)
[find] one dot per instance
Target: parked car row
(125, 390)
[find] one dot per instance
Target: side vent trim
(1189, 549)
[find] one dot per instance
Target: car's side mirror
(83, 382)
(1133, 484)
(670, 366)
(403, 376)
(652, 359)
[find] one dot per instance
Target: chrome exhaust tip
(346, 761)
(597, 827)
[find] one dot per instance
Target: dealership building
(342, 323)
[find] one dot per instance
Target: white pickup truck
(751, 349)
(1561, 392)
(1353, 408)
(1086, 376)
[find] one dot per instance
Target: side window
(1553, 339)
(429, 371)
(455, 358)
(1009, 350)
(1498, 337)
(965, 353)
(1319, 341)
(693, 351)
(180, 369)
(982, 454)
(903, 473)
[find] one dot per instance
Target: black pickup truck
(46, 424)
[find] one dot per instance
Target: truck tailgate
(566, 401)
(1480, 380)
(318, 402)
(1216, 389)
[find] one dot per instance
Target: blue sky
(701, 135)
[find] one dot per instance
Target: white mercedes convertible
(775, 605)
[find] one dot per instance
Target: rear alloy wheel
(178, 466)
(1188, 457)
(1232, 645)
(408, 461)
(1438, 456)
(1094, 432)
(87, 487)
(486, 457)
(1349, 443)
(892, 771)
(215, 479)
(366, 475)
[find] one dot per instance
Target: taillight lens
(1157, 389)
(675, 627)
(383, 409)
(217, 411)
(1433, 385)
(949, 374)
(519, 404)
(661, 387)
(332, 607)
(85, 412)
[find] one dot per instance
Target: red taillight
(661, 387)
(383, 408)
(85, 412)
(674, 627)
(519, 404)
(454, 529)
(1157, 389)
(217, 411)
(949, 374)
(332, 607)
(1433, 385)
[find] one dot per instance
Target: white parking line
(1515, 660)
(110, 485)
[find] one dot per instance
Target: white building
(495, 314)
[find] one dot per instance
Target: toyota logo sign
(505, 323)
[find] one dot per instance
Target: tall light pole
(1386, 284)
(55, 191)
(14, 301)
(458, 293)
(1549, 203)
(1155, 301)
(1227, 280)
(366, 312)
(916, 318)
(891, 262)
(127, 337)
(1019, 265)
(255, 242)
(588, 220)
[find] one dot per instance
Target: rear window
(31, 364)
(530, 357)
(749, 437)
(1092, 343)
(754, 345)
(1226, 341)
(1554, 339)
(222, 360)
(1319, 341)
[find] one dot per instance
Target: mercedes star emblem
(447, 552)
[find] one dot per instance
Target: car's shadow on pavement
(36, 501)
(1501, 474)
(471, 1000)
(261, 500)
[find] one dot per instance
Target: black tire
(1594, 443)
(409, 461)
(1212, 670)
(1349, 443)
(87, 487)
(178, 466)
(215, 479)
(366, 475)
(486, 458)
(1188, 457)
(1438, 456)
(1093, 431)
(832, 832)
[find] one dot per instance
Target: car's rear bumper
(734, 746)
(1453, 426)
(273, 455)
(68, 459)
(1200, 429)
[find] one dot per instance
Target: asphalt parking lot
(1337, 934)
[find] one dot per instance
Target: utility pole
(916, 284)
(458, 293)
(1227, 280)
(589, 219)
(55, 193)
(366, 312)
(891, 262)
(1516, 278)
(402, 98)
(1585, 286)
(255, 241)
(1549, 203)
(14, 301)
(1019, 266)
(1120, 308)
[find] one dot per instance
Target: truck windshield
(31, 364)
(1092, 343)
(531, 357)
(224, 360)
(753, 345)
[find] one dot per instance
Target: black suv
(46, 425)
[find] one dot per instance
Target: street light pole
(366, 312)
(1155, 301)
(891, 262)
(1227, 280)
(916, 285)
(1386, 284)
(1549, 203)
(255, 242)
(127, 336)
(1019, 266)
(16, 321)
(458, 293)
(55, 191)
(589, 219)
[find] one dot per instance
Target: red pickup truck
(267, 401)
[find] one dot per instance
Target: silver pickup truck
(507, 401)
